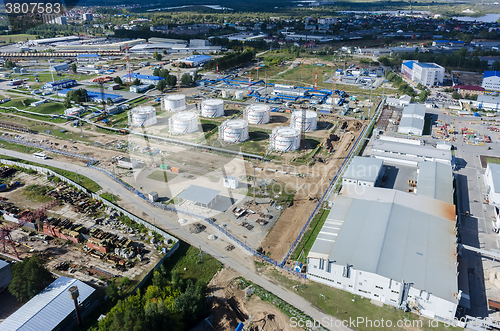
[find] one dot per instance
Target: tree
(118, 80)
(112, 291)
(456, 95)
(162, 84)
(109, 102)
(187, 79)
(29, 277)
(136, 82)
(67, 103)
(171, 80)
(8, 64)
(157, 56)
(190, 303)
(73, 67)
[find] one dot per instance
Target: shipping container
(3, 187)
(175, 169)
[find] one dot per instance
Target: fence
(95, 196)
(334, 181)
(184, 211)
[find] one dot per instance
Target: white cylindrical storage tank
(257, 114)
(311, 120)
(212, 108)
(143, 116)
(184, 122)
(285, 139)
(225, 94)
(174, 102)
(238, 95)
(234, 131)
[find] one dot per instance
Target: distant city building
(54, 19)
(491, 81)
(87, 17)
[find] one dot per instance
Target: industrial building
(492, 181)
(428, 74)
(127, 163)
(491, 81)
(53, 308)
(412, 120)
(94, 96)
(364, 171)
(435, 180)
(59, 84)
(403, 100)
(88, 58)
(383, 244)
(200, 196)
(59, 67)
(53, 40)
(409, 154)
(195, 60)
(487, 102)
(289, 90)
(5, 275)
(144, 79)
(230, 182)
(175, 46)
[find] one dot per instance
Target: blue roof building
(196, 60)
(59, 84)
(144, 79)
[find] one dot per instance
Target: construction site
(72, 232)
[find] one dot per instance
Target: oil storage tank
(233, 131)
(142, 116)
(183, 122)
(257, 114)
(285, 139)
(174, 102)
(311, 120)
(212, 108)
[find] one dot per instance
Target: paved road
(168, 222)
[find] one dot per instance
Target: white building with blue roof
(88, 58)
(428, 74)
(144, 79)
(53, 308)
(491, 80)
(196, 60)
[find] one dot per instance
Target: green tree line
(230, 60)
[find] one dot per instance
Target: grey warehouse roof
(435, 180)
(364, 168)
(48, 308)
(394, 234)
(199, 194)
(414, 109)
(412, 122)
(495, 176)
(3, 264)
(399, 150)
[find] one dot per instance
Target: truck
(14, 184)
(3, 187)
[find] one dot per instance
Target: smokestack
(74, 294)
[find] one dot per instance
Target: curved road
(163, 219)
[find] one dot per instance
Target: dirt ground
(229, 307)
(288, 227)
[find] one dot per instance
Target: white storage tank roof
(234, 131)
(143, 116)
(285, 139)
(257, 114)
(311, 120)
(183, 122)
(212, 108)
(174, 102)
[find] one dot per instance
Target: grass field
(17, 37)
(110, 197)
(18, 148)
(49, 108)
(344, 305)
(495, 160)
(189, 264)
(161, 176)
(310, 236)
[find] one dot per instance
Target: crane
(37, 214)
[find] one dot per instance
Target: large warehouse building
(409, 154)
(390, 246)
(491, 81)
(412, 120)
(5, 275)
(492, 181)
(364, 171)
(53, 308)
